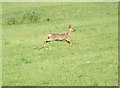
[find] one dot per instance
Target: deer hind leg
(43, 45)
(45, 42)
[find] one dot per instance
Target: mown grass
(93, 62)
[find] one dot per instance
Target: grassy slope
(92, 62)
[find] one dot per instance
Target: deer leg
(68, 42)
(46, 41)
(74, 42)
(43, 44)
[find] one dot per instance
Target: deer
(59, 37)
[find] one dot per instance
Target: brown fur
(59, 37)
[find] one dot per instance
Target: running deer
(59, 37)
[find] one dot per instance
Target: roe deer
(59, 37)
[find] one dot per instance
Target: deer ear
(69, 26)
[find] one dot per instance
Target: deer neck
(68, 33)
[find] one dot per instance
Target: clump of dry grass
(24, 17)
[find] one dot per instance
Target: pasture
(92, 62)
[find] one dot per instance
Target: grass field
(92, 62)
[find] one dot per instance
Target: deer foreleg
(69, 42)
(74, 42)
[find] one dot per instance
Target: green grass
(93, 62)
